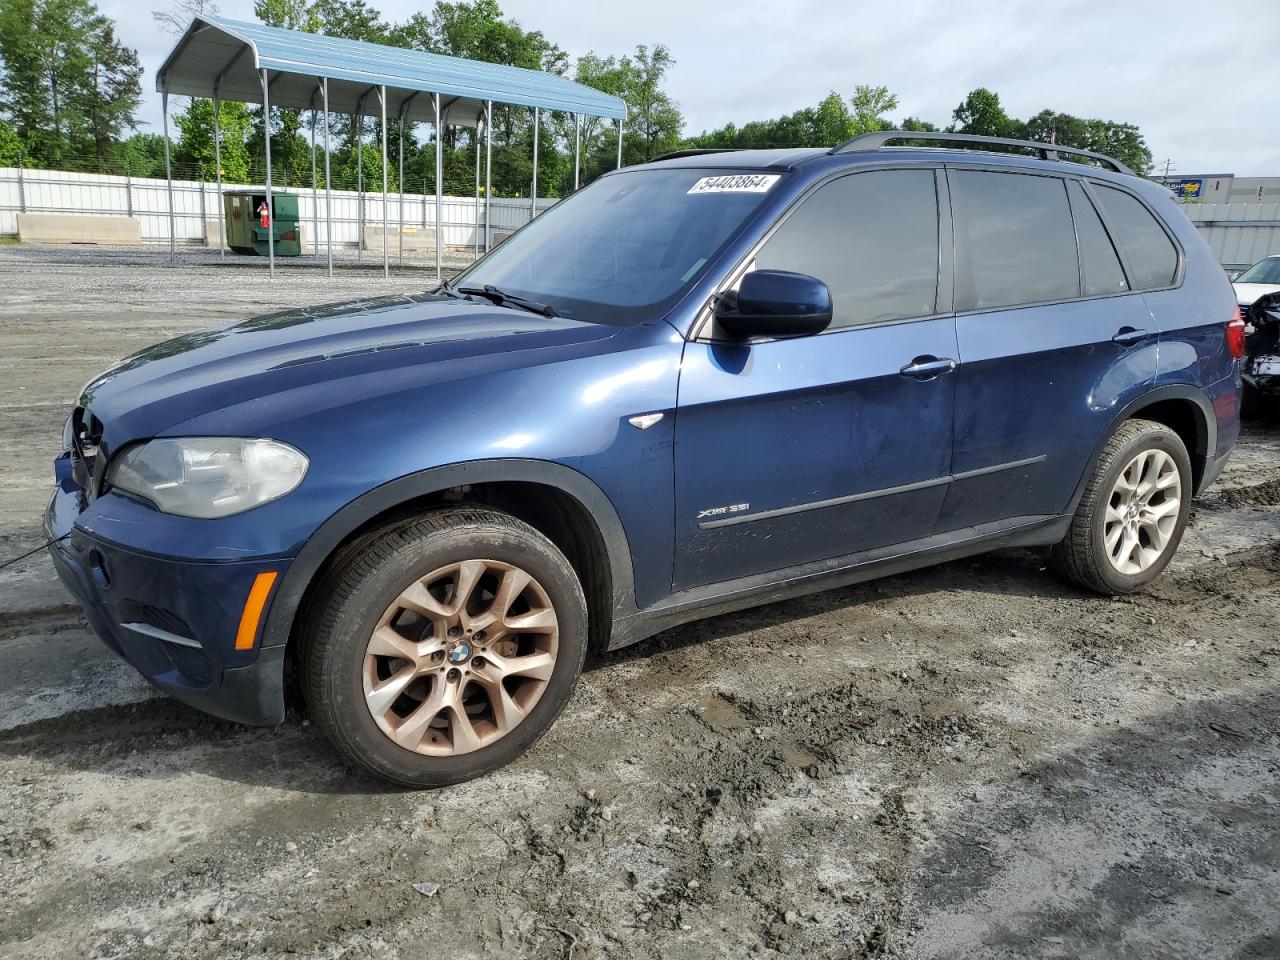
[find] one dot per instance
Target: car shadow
(1016, 573)
(295, 756)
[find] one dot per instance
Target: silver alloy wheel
(1142, 511)
(460, 657)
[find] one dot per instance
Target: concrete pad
(77, 228)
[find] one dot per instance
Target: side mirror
(775, 303)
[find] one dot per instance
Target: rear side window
(1098, 260)
(1151, 255)
(1015, 242)
(872, 238)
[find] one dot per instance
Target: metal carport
(224, 59)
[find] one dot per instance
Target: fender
(364, 508)
(1206, 430)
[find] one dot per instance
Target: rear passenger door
(1053, 342)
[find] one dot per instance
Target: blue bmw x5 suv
(699, 384)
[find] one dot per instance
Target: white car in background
(1262, 278)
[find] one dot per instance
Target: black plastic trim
(869, 494)
(1173, 391)
(714, 599)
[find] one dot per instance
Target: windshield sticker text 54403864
(736, 183)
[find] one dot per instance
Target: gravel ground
(973, 760)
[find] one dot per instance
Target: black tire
(1081, 555)
(368, 577)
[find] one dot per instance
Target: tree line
(70, 92)
(835, 119)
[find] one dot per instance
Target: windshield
(1264, 271)
(626, 248)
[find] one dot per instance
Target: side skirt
(714, 599)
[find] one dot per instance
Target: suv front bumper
(175, 621)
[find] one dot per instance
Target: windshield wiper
(503, 299)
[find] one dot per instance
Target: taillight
(1235, 334)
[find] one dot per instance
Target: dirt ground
(974, 760)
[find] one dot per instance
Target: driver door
(808, 449)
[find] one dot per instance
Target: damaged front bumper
(174, 620)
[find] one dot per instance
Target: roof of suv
(872, 148)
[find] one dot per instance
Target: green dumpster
(242, 210)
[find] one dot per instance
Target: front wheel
(443, 648)
(1133, 511)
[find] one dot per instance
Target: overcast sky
(1201, 80)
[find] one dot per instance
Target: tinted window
(1102, 271)
(872, 238)
(1015, 242)
(627, 247)
(1152, 257)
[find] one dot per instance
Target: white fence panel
(1239, 234)
(194, 203)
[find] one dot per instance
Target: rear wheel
(443, 648)
(1133, 511)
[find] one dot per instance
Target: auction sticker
(736, 183)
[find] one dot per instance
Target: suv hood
(1247, 293)
(397, 341)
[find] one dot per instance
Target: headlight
(208, 477)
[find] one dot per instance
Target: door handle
(1126, 336)
(926, 368)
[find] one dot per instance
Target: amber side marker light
(253, 606)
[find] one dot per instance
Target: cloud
(1193, 76)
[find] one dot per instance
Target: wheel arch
(1185, 410)
(560, 502)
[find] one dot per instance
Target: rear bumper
(174, 621)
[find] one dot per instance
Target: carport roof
(215, 47)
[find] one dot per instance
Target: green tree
(653, 119)
(195, 141)
(10, 146)
(980, 113)
(113, 91)
(1120, 140)
(870, 104)
(142, 155)
(67, 86)
(918, 125)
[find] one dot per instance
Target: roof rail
(694, 152)
(1046, 151)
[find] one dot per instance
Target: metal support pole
(577, 148)
(533, 192)
(271, 204)
(22, 189)
(328, 180)
(386, 197)
(619, 144)
(400, 184)
(488, 173)
(475, 254)
(168, 172)
(217, 163)
(360, 181)
(435, 97)
(315, 190)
